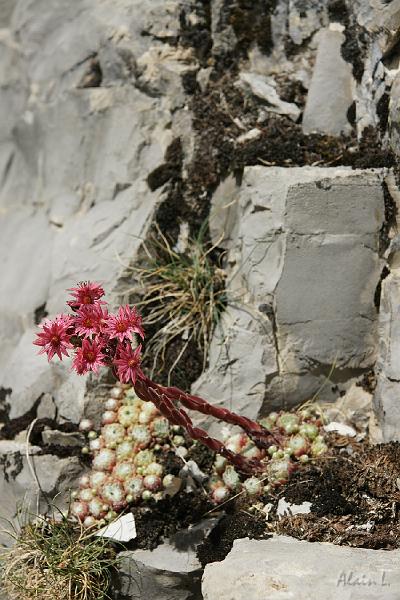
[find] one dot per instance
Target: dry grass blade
(182, 294)
(56, 560)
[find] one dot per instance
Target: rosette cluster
(96, 337)
(301, 439)
(128, 458)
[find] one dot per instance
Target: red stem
(164, 398)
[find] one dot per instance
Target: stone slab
(282, 567)
(331, 90)
(303, 265)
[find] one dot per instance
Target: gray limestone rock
(376, 15)
(12, 447)
(171, 571)
(331, 90)
(242, 357)
(394, 115)
(265, 89)
(6, 11)
(387, 391)
(305, 17)
(303, 265)
(75, 152)
(20, 495)
(60, 438)
(46, 408)
(282, 567)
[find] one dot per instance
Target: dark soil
(390, 219)
(203, 456)
(159, 520)
(12, 427)
(4, 405)
(355, 499)
(251, 22)
(11, 465)
(230, 528)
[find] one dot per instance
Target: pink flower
(54, 338)
(90, 319)
(124, 324)
(135, 320)
(128, 363)
(89, 357)
(87, 292)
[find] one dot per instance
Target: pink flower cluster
(97, 337)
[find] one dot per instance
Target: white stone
(282, 568)
(265, 89)
(286, 508)
(122, 529)
(341, 429)
(12, 446)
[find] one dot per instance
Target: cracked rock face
(86, 124)
(94, 96)
(282, 567)
(105, 107)
(303, 256)
(74, 158)
(388, 364)
(19, 492)
(172, 570)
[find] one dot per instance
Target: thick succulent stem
(262, 437)
(164, 398)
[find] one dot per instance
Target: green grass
(181, 293)
(55, 559)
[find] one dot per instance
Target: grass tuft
(182, 294)
(57, 560)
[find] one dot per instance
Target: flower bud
(111, 404)
(89, 521)
(231, 478)
(220, 494)
(79, 509)
(108, 417)
(152, 483)
(86, 425)
(253, 486)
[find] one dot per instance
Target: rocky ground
(274, 123)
